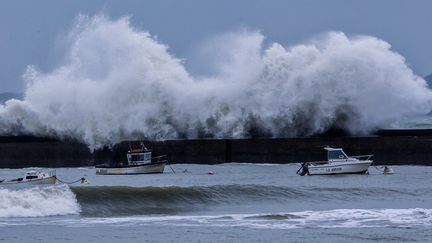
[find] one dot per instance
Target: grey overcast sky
(30, 30)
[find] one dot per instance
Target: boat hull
(131, 170)
(29, 183)
(334, 169)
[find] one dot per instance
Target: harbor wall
(388, 148)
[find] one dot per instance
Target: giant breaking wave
(38, 202)
(117, 82)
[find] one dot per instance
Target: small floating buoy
(210, 172)
(387, 170)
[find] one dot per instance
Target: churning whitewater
(38, 202)
(117, 82)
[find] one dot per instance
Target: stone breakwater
(397, 147)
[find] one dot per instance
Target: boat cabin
(31, 175)
(139, 156)
(336, 154)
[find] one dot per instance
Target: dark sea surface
(238, 203)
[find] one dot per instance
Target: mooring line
(82, 180)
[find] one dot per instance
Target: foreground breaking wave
(38, 202)
(117, 83)
(171, 204)
(129, 201)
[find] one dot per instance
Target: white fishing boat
(31, 178)
(337, 163)
(139, 161)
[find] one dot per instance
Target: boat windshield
(139, 157)
(336, 154)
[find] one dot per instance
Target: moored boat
(139, 161)
(337, 163)
(31, 178)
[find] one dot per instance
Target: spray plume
(117, 83)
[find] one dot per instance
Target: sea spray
(38, 202)
(118, 82)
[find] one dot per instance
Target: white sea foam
(338, 218)
(350, 218)
(118, 82)
(38, 202)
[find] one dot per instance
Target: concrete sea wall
(394, 147)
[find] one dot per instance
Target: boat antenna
(143, 146)
(324, 146)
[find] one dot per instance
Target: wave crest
(38, 202)
(118, 83)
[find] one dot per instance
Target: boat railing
(368, 156)
(161, 158)
(319, 162)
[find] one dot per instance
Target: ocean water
(238, 203)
